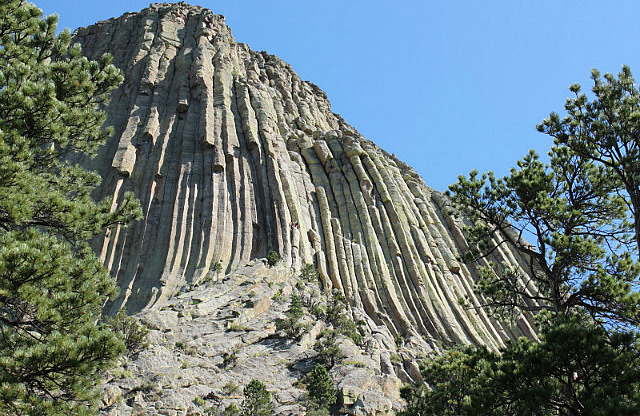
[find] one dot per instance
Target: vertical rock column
(232, 155)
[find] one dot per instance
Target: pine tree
(273, 258)
(581, 274)
(257, 400)
(52, 286)
(337, 315)
(575, 369)
(309, 273)
(291, 324)
(605, 131)
(579, 245)
(322, 390)
(133, 332)
(327, 347)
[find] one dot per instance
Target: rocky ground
(208, 342)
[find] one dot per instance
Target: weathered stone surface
(232, 155)
(210, 341)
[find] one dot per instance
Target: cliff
(232, 155)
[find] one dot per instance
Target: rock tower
(232, 155)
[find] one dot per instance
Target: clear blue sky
(448, 86)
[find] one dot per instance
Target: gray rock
(212, 356)
(232, 156)
(372, 404)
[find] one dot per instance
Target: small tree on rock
(257, 400)
(273, 258)
(309, 273)
(322, 390)
(337, 315)
(291, 324)
(327, 348)
(132, 331)
(216, 268)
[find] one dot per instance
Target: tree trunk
(634, 196)
(636, 218)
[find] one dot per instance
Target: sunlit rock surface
(232, 155)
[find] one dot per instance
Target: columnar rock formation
(232, 155)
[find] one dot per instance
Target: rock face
(232, 155)
(209, 342)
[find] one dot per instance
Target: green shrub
(132, 332)
(278, 296)
(215, 268)
(322, 390)
(273, 258)
(231, 410)
(257, 400)
(120, 373)
(327, 348)
(236, 327)
(229, 359)
(399, 340)
(187, 349)
(148, 387)
(291, 324)
(314, 410)
(337, 315)
(395, 358)
(230, 388)
(355, 363)
(309, 273)
(318, 311)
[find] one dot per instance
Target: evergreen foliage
(605, 131)
(313, 410)
(231, 410)
(337, 316)
(575, 369)
(257, 400)
(580, 213)
(291, 324)
(321, 389)
(52, 286)
(309, 273)
(450, 391)
(132, 331)
(327, 348)
(273, 258)
(579, 256)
